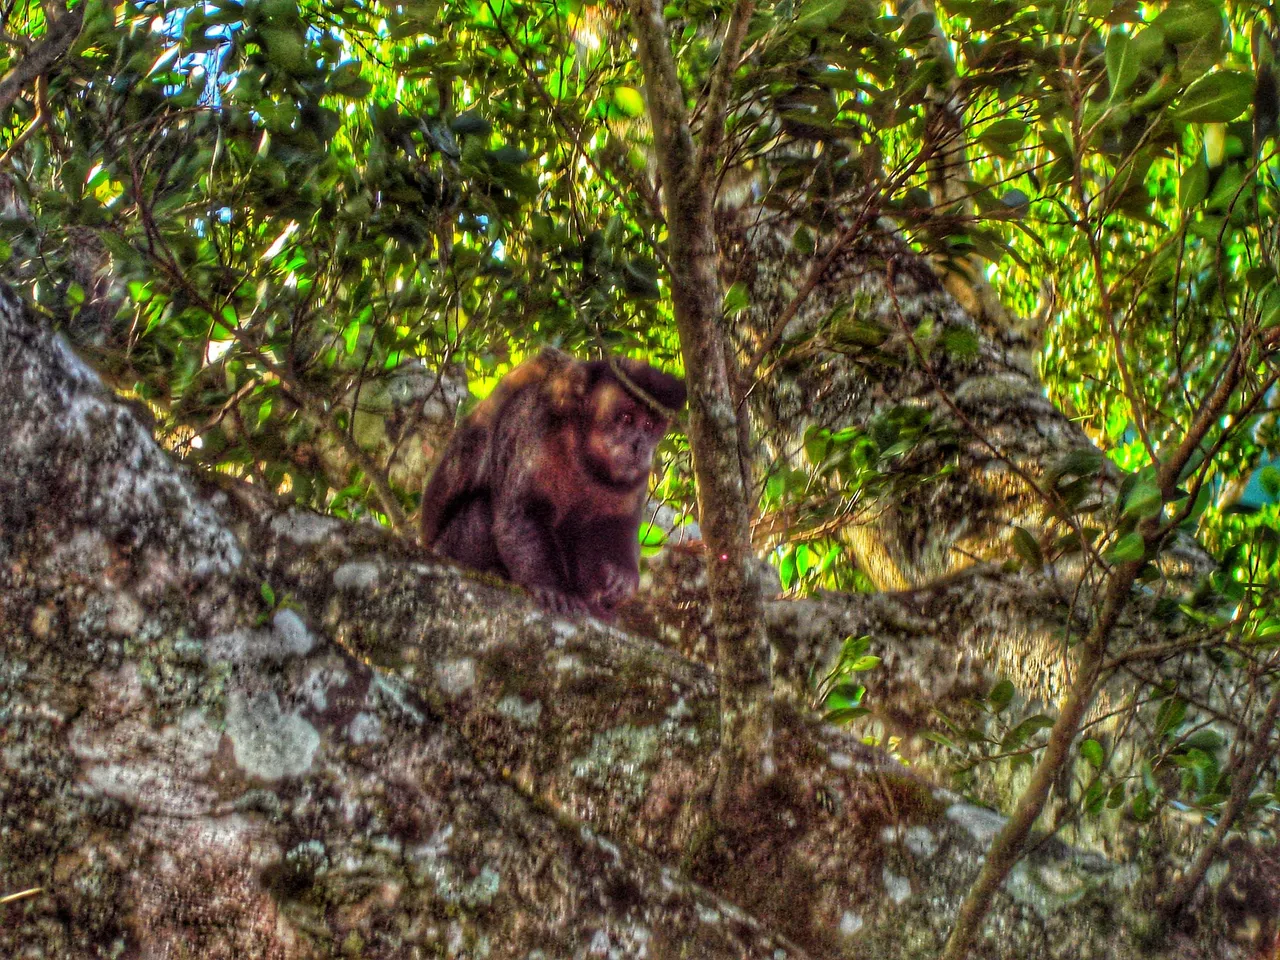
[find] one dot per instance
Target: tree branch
(746, 711)
(1240, 788)
(1010, 842)
(61, 35)
(721, 83)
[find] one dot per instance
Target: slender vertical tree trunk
(737, 606)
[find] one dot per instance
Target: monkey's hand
(619, 583)
(527, 549)
(557, 601)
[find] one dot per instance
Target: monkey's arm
(608, 562)
(525, 539)
(455, 478)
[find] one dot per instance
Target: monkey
(543, 483)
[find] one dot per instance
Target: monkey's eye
(626, 419)
(648, 424)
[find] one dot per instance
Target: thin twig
(20, 895)
(36, 123)
(1241, 786)
(717, 103)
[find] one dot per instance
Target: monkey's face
(622, 436)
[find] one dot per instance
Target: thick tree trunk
(239, 731)
(851, 353)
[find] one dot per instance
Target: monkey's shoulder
(558, 475)
(540, 379)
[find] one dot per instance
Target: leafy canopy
(309, 209)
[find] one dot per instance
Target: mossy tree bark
(688, 185)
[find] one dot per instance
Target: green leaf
(286, 49)
(1092, 751)
(1170, 716)
(853, 647)
(815, 16)
(1184, 21)
(640, 280)
(470, 122)
(1148, 45)
(1083, 462)
(1094, 797)
(736, 299)
(787, 570)
(1194, 184)
(775, 487)
(1144, 500)
(960, 343)
(919, 28)
(1268, 632)
(268, 595)
(1001, 695)
(1218, 98)
(1204, 497)
(509, 155)
(351, 84)
(629, 101)
(1269, 479)
(1206, 740)
(1140, 807)
(1007, 131)
(853, 330)
(804, 559)
(1269, 310)
(830, 557)
(1015, 199)
(651, 535)
(817, 441)
(1024, 731)
(943, 741)
(1259, 277)
(1229, 189)
(1128, 548)
(1122, 63)
(1027, 548)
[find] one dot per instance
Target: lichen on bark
(396, 758)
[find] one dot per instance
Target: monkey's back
(481, 452)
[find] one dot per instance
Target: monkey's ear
(670, 391)
(567, 387)
(667, 389)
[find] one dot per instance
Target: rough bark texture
(188, 772)
(854, 349)
(743, 658)
(386, 759)
(57, 40)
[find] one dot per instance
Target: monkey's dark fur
(544, 482)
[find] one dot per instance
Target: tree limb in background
(1259, 751)
(721, 84)
(61, 35)
(1011, 841)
